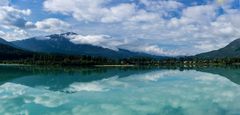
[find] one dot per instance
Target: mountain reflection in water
(31, 90)
(58, 78)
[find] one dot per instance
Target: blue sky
(161, 27)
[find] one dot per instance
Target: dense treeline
(10, 54)
(56, 59)
(13, 55)
(180, 61)
(201, 61)
(66, 60)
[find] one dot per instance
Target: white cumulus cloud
(51, 25)
(96, 11)
(11, 17)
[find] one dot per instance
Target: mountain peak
(62, 36)
(61, 43)
(68, 33)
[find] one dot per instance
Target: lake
(30, 90)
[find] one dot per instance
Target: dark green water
(119, 91)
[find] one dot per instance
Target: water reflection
(122, 91)
(231, 73)
(60, 78)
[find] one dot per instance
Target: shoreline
(3, 64)
(126, 65)
(114, 65)
(117, 65)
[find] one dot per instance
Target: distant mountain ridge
(9, 52)
(2, 41)
(231, 50)
(59, 43)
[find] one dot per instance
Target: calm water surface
(119, 91)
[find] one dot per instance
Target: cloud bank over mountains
(161, 27)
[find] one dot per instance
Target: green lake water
(26, 90)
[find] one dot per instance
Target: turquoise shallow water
(119, 91)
